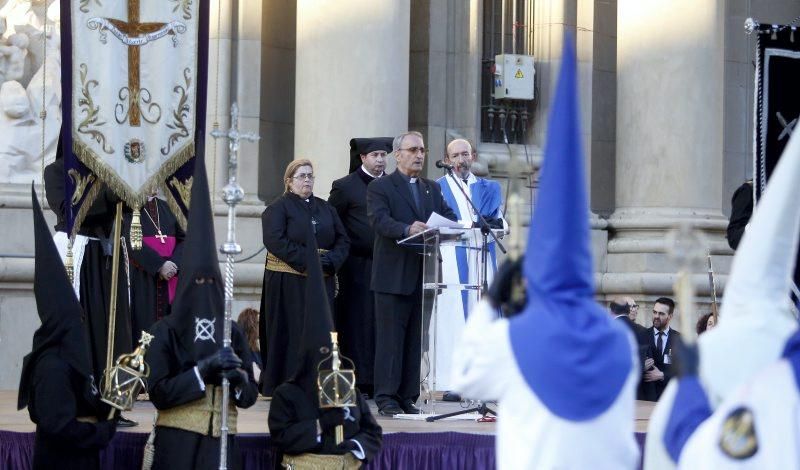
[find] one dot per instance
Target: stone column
(352, 79)
(670, 73)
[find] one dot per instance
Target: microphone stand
(481, 406)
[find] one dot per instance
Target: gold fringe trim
(108, 176)
(278, 265)
(87, 204)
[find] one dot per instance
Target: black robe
(285, 223)
(149, 292)
(174, 382)
(59, 395)
(293, 425)
(354, 308)
(95, 274)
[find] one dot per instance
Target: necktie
(659, 343)
(415, 194)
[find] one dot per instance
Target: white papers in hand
(438, 221)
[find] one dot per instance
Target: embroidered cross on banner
(787, 127)
(135, 34)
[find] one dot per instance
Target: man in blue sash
(461, 265)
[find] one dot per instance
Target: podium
(447, 293)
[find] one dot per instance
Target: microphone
(442, 164)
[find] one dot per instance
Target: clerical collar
(410, 179)
(370, 174)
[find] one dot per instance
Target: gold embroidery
(80, 182)
(276, 264)
(85, 5)
(185, 6)
(184, 189)
(91, 111)
(180, 113)
(201, 416)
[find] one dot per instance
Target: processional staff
(232, 194)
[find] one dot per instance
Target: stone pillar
(352, 79)
(669, 140)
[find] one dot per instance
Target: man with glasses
(354, 307)
(459, 264)
(397, 205)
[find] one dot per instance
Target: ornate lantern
(337, 385)
(126, 379)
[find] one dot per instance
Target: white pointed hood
(756, 316)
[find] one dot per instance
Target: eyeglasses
(634, 305)
(414, 150)
(304, 176)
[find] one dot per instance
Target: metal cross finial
(232, 194)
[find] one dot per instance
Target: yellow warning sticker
(519, 74)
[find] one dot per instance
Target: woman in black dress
(285, 224)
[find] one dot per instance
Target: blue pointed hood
(568, 349)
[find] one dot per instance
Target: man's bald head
(460, 155)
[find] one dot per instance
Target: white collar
(656, 331)
(621, 315)
(370, 174)
(412, 179)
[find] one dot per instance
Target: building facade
(666, 93)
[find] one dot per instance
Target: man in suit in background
(663, 344)
(354, 314)
(620, 309)
(397, 205)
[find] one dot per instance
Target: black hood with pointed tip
(59, 310)
(317, 323)
(198, 310)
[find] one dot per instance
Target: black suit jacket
(652, 390)
(391, 209)
(349, 198)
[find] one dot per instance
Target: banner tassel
(69, 263)
(136, 230)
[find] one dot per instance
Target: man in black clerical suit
(354, 314)
(663, 345)
(397, 205)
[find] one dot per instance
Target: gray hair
(398, 141)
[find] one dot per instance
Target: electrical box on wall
(513, 77)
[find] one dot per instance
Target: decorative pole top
(233, 193)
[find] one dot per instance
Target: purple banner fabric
(420, 451)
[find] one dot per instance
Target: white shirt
(664, 336)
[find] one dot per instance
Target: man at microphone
(459, 264)
(397, 206)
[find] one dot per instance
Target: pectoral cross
(135, 34)
(161, 237)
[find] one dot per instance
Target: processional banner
(777, 100)
(134, 92)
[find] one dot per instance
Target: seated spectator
(248, 322)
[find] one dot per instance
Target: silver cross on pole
(232, 194)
